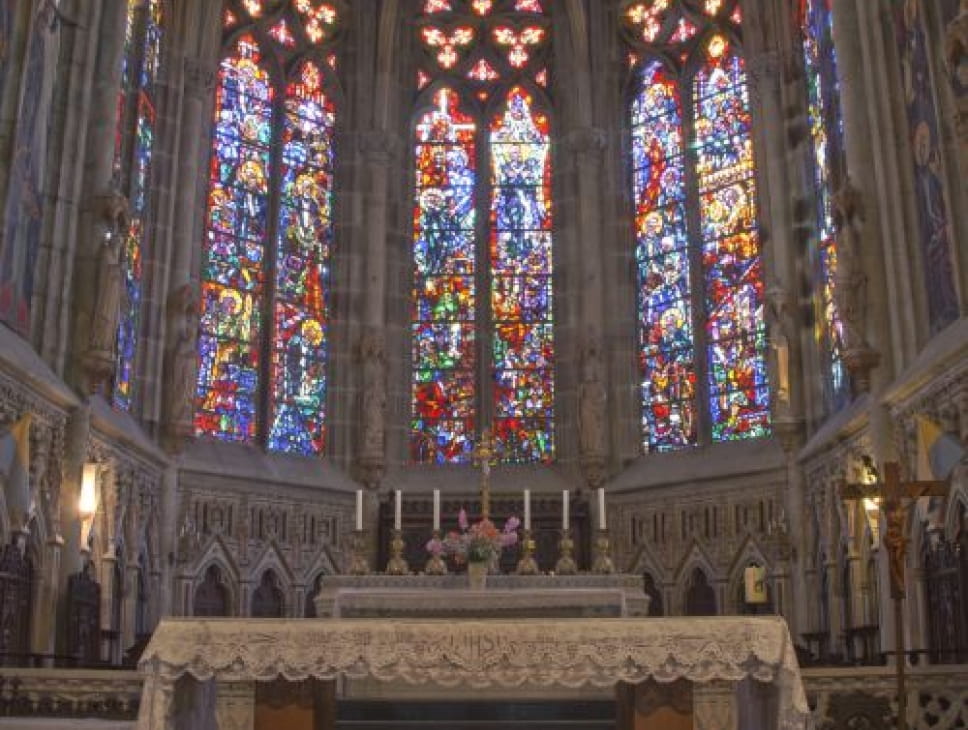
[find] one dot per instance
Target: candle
(527, 509)
(601, 508)
(359, 510)
(396, 511)
(437, 509)
(564, 509)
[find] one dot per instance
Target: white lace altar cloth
(481, 653)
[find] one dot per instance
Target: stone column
(587, 144)
(199, 84)
(75, 454)
(103, 213)
(860, 278)
(168, 536)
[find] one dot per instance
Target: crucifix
(484, 455)
(893, 491)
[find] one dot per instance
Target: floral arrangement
(480, 542)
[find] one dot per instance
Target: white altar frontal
(728, 673)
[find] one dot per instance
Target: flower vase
(477, 574)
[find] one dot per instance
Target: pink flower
(462, 519)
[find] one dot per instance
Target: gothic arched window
(827, 145)
(133, 148)
(702, 336)
(482, 324)
(263, 339)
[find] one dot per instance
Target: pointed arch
(700, 303)
(264, 329)
(482, 325)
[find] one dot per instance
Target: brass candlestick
(527, 565)
(436, 565)
(566, 548)
(397, 565)
(603, 560)
(358, 563)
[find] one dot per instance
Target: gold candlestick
(436, 565)
(527, 565)
(603, 560)
(566, 562)
(397, 565)
(358, 563)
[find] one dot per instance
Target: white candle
(527, 509)
(601, 508)
(359, 510)
(564, 509)
(436, 509)
(396, 511)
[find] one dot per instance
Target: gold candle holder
(436, 565)
(603, 560)
(566, 561)
(358, 563)
(397, 565)
(527, 565)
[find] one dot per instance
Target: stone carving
(591, 412)
(111, 211)
(182, 365)
(780, 309)
(373, 402)
(850, 291)
(956, 59)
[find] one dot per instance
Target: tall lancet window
(133, 148)
(702, 336)
(264, 330)
(482, 320)
(826, 138)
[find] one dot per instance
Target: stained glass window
(134, 140)
(702, 336)
(264, 328)
(487, 359)
(826, 137)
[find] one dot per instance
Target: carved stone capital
(199, 77)
(859, 362)
(789, 431)
(379, 147)
(586, 142)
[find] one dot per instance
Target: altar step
(549, 715)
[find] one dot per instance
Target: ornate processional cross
(483, 456)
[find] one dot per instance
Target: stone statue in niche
(373, 403)
(591, 411)
(111, 224)
(850, 289)
(779, 302)
(182, 364)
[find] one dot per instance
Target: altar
(739, 673)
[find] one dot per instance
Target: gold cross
(483, 456)
(893, 490)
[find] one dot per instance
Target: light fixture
(87, 504)
(872, 509)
